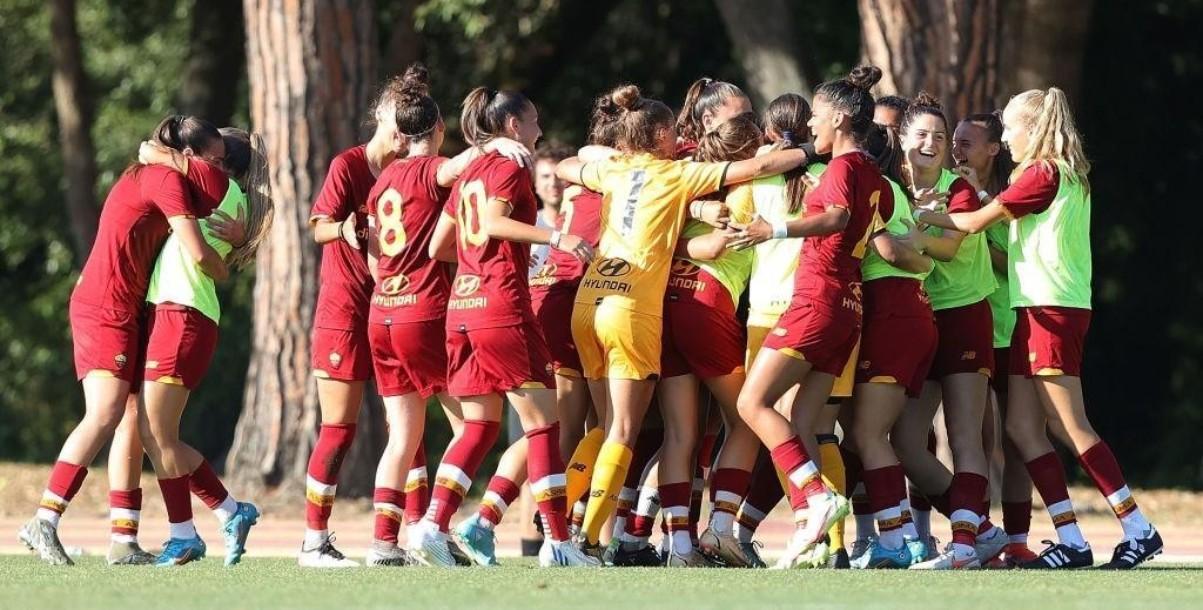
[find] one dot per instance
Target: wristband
(809, 149)
(983, 195)
(695, 209)
(554, 240)
(780, 230)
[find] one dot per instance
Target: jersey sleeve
(962, 197)
(835, 186)
(702, 178)
(885, 208)
(741, 204)
(1033, 192)
(430, 178)
(207, 184)
(508, 183)
(168, 190)
(333, 200)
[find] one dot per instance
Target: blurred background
(83, 81)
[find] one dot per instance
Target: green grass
(269, 583)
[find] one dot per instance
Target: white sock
(1134, 523)
(747, 512)
(889, 531)
(315, 538)
(183, 531)
(1068, 533)
(49, 516)
(722, 522)
(226, 509)
(1018, 538)
(125, 516)
(908, 524)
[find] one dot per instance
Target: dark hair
(603, 122)
(552, 152)
(883, 143)
(1001, 166)
(704, 95)
(180, 131)
(924, 103)
(636, 119)
(246, 161)
(850, 95)
(734, 140)
(894, 102)
(788, 115)
(417, 113)
(485, 112)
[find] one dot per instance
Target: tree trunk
(404, 42)
(311, 65)
(764, 44)
(216, 61)
(957, 49)
(73, 105)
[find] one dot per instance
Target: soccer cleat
(1131, 553)
(722, 548)
(565, 554)
(235, 531)
(478, 542)
(430, 547)
(129, 554)
(179, 551)
(948, 560)
(384, 554)
(1017, 554)
(461, 558)
(882, 558)
(816, 558)
(645, 556)
(918, 550)
(860, 547)
(692, 559)
(797, 552)
(825, 512)
(839, 560)
(751, 553)
(1057, 556)
(324, 555)
(990, 545)
(42, 538)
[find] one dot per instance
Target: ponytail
(485, 112)
(179, 131)
(704, 95)
(417, 113)
(1052, 133)
(788, 115)
(637, 120)
(851, 95)
(246, 159)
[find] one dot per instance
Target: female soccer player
(1049, 266)
(814, 339)
(616, 319)
(107, 311)
(495, 350)
(341, 357)
(406, 321)
(708, 103)
(897, 347)
(960, 374)
(182, 339)
(981, 158)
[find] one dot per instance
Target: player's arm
(452, 168)
(771, 164)
(442, 243)
(706, 247)
(900, 254)
(964, 222)
(333, 196)
(202, 253)
(569, 170)
(373, 248)
(833, 220)
(497, 224)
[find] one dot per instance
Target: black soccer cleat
(1060, 557)
(1131, 553)
(839, 560)
(643, 557)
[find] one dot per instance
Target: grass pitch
(279, 583)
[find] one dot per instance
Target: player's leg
(877, 407)
(125, 490)
(160, 424)
(476, 533)
(405, 415)
(339, 402)
(732, 472)
(678, 397)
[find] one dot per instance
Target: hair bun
(627, 97)
(927, 100)
(416, 79)
(864, 77)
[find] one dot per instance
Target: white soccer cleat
(324, 555)
(565, 554)
(825, 512)
(429, 546)
(949, 560)
(797, 552)
(990, 545)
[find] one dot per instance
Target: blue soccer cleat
(478, 541)
(236, 529)
(882, 558)
(179, 551)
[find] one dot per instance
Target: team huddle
(709, 297)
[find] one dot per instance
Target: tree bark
(1045, 44)
(311, 66)
(764, 44)
(216, 61)
(404, 42)
(73, 105)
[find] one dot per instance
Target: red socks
(125, 509)
(65, 480)
(205, 484)
(965, 499)
(460, 463)
(333, 443)
(176, 499)
(390, 510)
(791, 458)
(501, 493)
(417, 492)
(545, 469)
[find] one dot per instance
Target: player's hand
(227, 228)
(747, 235)
(575, 246)
(914, 237)
(512, 150)
(931, 199)
(970, 176)
(347, 229)
(713, 213)
(154, 153)
(811, 181)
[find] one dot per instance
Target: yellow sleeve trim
(792, 353)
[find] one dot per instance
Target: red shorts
(1002, 369)
(553, 311)
(899, 339)
(966, 341)
(409, 357)
(343, 355)
(181, 345)
(1049, 341)
(816, 335)
(493, 360)
(108, 342)
(700, 340)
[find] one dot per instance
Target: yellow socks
(608, 476)
(832, 468)
(580, 466)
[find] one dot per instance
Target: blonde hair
(1053, 136)
(253, 178)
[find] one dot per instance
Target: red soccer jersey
(405, 205)
(1033, 192)
(830, 272)
(133, 227)
(346, 283)
(490, 288)
(580, 215)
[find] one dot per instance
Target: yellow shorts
(615, 342)
(843, 384)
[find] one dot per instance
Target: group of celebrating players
(881, 282)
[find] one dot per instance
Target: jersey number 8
(392, 231)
